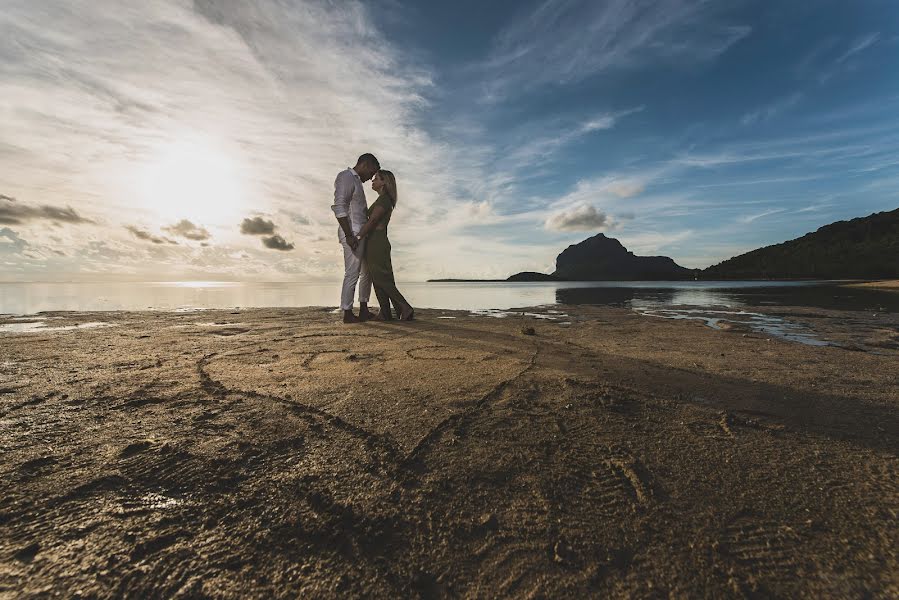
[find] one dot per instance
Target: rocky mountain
(600, 258)
(862, 248)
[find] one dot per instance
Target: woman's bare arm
(376, 214)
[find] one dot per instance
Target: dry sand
(887, 284)
(277, 453)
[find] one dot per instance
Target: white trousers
(354, 269)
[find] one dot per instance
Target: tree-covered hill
(862, 248)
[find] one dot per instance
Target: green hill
(863, 248)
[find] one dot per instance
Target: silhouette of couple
(363, 235)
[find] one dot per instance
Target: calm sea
(30, 298)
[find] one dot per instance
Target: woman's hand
(373, 219)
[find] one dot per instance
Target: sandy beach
(887, 284)
(277, 453)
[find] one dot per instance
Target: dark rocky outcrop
(600, 258)
(532, 276)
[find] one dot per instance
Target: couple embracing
(363, 235)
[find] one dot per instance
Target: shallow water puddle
(757, 322)
(150, 501)
(41, 327)
(548, 315)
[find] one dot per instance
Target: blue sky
(138, 136)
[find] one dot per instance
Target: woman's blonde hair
(389, 184)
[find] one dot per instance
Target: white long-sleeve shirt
(349, 201)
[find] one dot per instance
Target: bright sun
(193, 179)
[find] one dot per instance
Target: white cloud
(626, 188)
(584, 217)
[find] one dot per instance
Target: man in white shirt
(351, 210)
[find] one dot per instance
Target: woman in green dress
(377, 248)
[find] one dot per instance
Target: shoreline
(258, 452)
(881, 284)
(470, 296)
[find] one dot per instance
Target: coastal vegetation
(863, 248)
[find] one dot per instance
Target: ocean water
(31, 298)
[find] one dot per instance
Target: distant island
(862, 248)
(600, 258)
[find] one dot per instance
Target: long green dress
(377, 255)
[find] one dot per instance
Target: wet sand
(278, 453)
(887, 284)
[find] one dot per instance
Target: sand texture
(888, 284)
(280, 454)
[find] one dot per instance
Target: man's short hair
(369, 159)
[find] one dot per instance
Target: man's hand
(351, 240)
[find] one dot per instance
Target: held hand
(352, 242)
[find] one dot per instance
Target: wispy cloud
(654, 242)
(15, 213)
(759, 181)
(10, 242)
(747, 219)
(565, 42)
(605, 188)
(859, 45)
(772, 110)
(539, 141)
(813, 208)
(826, 61)
(144, 235)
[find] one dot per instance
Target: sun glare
(193, 179)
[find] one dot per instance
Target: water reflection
(30, 298)
(745, 305)
(749, 304)
(721, 319)
(40, 326)
(810, 295)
